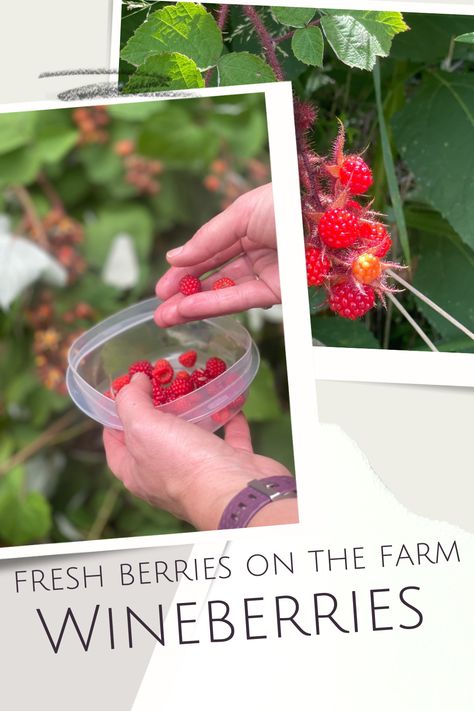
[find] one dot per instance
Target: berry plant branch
(412, 322)
(431, 303)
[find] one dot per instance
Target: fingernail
(174, 252)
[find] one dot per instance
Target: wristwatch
(257, 494)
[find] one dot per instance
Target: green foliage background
(54, 483)
(403, 87)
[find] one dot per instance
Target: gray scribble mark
(106, 90)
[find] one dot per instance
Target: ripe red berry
(375, 238)
(199, 378)
(317, 266)
(163, 371)
(109, 394)
(338, 228)
(160, 394)
(188, 359)
(182, 374)
(366, 268)
(356, 175)
(189, 284)
(119, 383)
(178, 388)
(215, 367)
(223, 283)
(350, 301)
(141, 366)
(353, 205)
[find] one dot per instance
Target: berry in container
(105, 352)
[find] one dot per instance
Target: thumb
(134, 401)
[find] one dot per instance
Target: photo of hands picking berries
(144, 383)
(384, 106)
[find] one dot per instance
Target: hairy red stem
(222, 15)
(267, 41)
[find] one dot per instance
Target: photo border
(296, 317)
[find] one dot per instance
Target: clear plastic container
(104, 352)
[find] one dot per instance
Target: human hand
(177, 466)
(244, 233)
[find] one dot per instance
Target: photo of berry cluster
(91, 201)
(383, 114)
(345, 241)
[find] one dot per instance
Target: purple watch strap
(257, 494)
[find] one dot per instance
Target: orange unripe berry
(366, 268)
(212, 183)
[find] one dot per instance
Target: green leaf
(16, 130)
(101, 164)
(445, 273)
(238, 68)
(162, 72)
(430, 37)
(317, 299)
(24, 517)
(467, 38)
(293, 16)
(335, 331)
(178, 139)
(126, 218)
(274, 439)
(262, 403)
(136, 112)
(360, 36)
(55, 136)
(433, 133)
(308, 46)
(184, 28)
(19, 167)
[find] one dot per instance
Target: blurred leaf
(136, 111)
(16, 130)
(162, 72)
(445, 273)
(243, 68)
(101, 164)
(111, 221)
(186, 28)
(293, 16)
(335, 331)
(430, 37)
(19, 167)
(360, 36)
(308, 46)
(274, 439)
(262, 403)
(24, 517)
(55, 135)
(176, 137)
(433, 132)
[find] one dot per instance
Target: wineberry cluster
(346, 242)
(63, 236)
(53, 337)
(140, 172)
(91, 122)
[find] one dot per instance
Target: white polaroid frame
(296, 320)
(379, 365)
